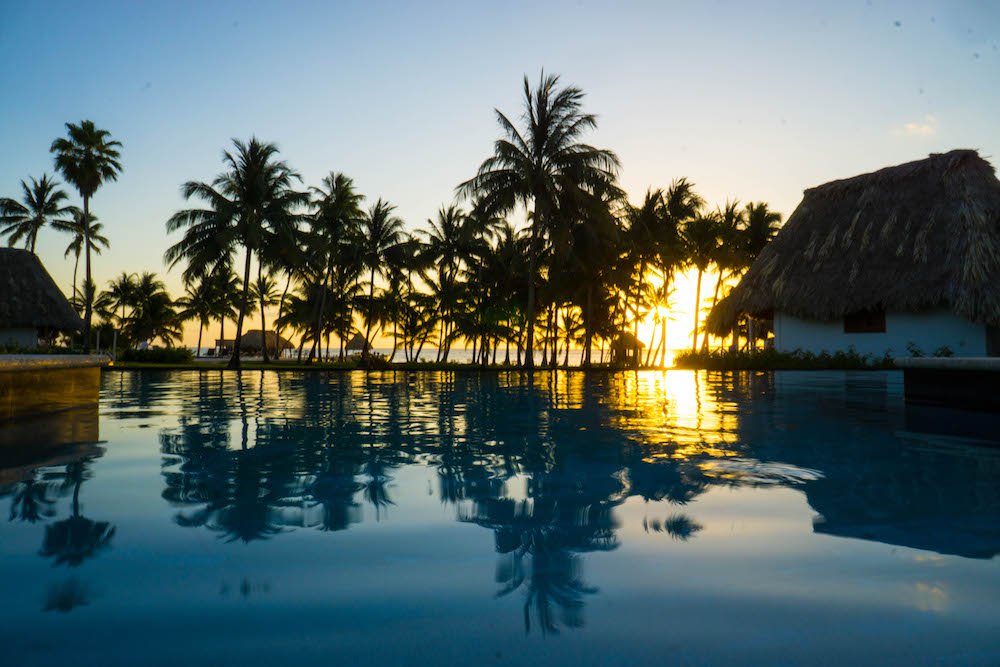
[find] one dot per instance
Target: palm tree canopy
(545, 159)
(87, 157)
(41, 203)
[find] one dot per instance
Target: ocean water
(641, 518)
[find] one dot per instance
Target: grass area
(768, 360)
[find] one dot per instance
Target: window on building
(865, 321)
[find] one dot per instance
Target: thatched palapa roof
(251, 341)
(29, 298)
(920, 235)
(356, 344)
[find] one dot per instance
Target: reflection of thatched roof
(920, 235)
(29, 298)
(357, 343)
(251, 340)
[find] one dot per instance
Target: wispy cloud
(925, 127)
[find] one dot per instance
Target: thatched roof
(29, 298)
(357, 343)
(251, 340)
(916, 236)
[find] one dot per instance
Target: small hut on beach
(357, 344)
(901, 260)
(626, 349)
(31, 305)
(252, 344)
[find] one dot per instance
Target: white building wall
(27, 338)
(928, 331)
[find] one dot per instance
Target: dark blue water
(463, 519)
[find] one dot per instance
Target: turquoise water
(464, 519)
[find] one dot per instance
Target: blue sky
(749, 100)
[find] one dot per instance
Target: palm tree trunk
(234, 361)
(263, 322)
(88, 309)
(588, 332)
(697, 303)
(663, 322)
(529, 343)
(281, 306)
(371, 312)
(715, 300)
(201, 325)
(76, 265)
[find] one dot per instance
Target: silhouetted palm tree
(249, 205)
(538, 165)
(87, 158)
(701, 237)
(77, 538)
(42, 203)
(198, 303)
(82, 235)
(381, 230)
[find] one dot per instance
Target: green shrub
(158, 355)
(766, 360)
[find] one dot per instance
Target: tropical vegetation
(539, 253)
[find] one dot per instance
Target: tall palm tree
(701, 237)
(681, 205)
(381, 230)
(42, 203)
(335, 219)
(249, 205)
(81, 231)
(264, 293)
(539, 164)
(87, 158)
(728, 253)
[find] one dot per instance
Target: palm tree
(760, 224)
(336, 217)
(249, 205)
(540, 164)
(82, 232)
(728, 254)
(121, 292)
(198, 304)
(701, 237)
(264, 293)
(87, 158)
(41, 204)
(381, 230)
(681, 205)
(154, 314)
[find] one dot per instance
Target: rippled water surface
(451, 518)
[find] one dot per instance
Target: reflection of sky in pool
(438, 518)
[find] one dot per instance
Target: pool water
(485, 519)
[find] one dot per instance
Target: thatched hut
(904, 258)
(625, 349)
(251, 343)
(357, 343)
(31, 305)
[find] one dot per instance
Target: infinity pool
(449, 518)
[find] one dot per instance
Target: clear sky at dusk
(749, 100)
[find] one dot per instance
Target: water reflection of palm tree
(540, 542)
(77, 538)
(31, 502)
